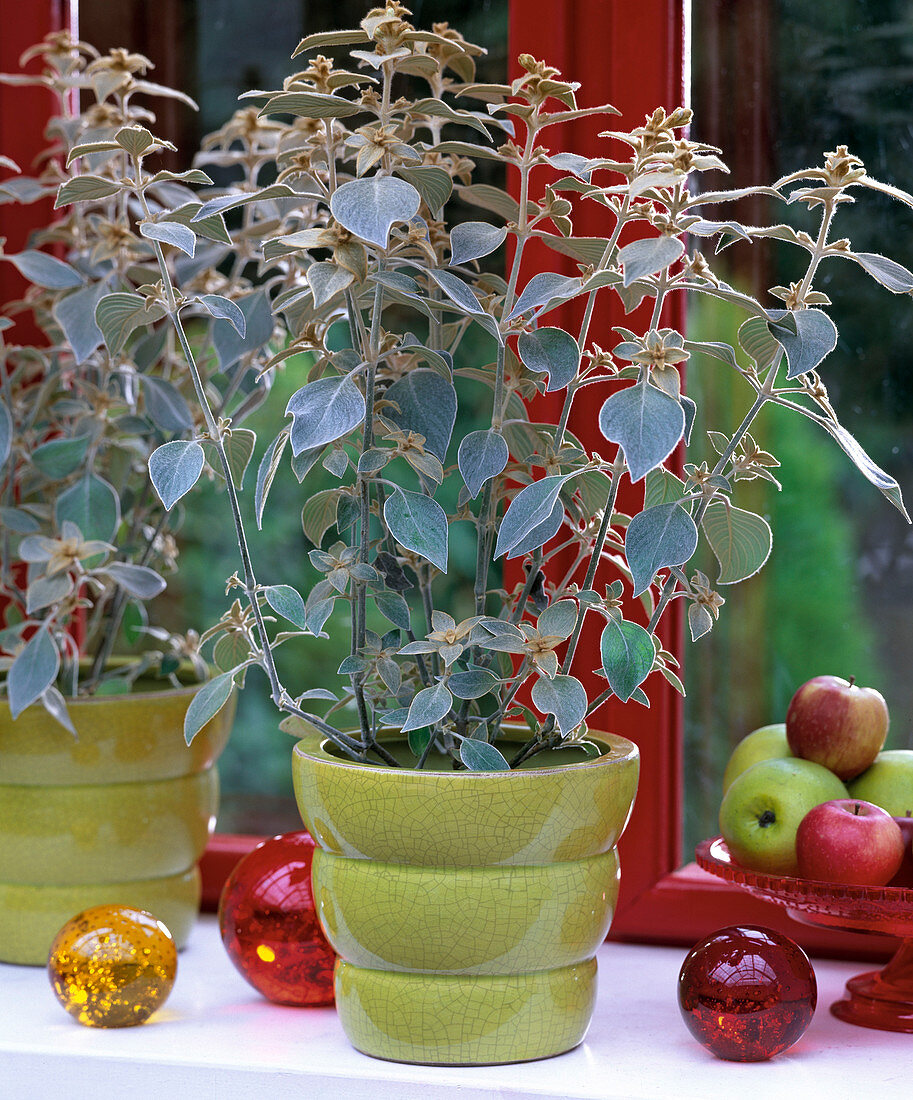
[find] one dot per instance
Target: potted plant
(466, 870)
(100, 798)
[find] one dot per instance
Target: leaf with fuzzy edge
(32, 672)
(207, 703)
(370, 207)
(430, 705)
(646, 423)
(482, 455)
(656, 538)
(627, 656)
(532, 506)
(479, 756)
(741, 541)
(174, 469)
(418, 523)
(324, 411)
(807, 336)
(562, 696)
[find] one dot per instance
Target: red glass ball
(269, 925)
(747, 993)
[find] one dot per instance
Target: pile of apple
(817, 797)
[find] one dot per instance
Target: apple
(851, 842)
(904, 876)
(762, 809)
(888, 782)
(766, 743)
(837, 724)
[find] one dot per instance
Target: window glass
(776, 86)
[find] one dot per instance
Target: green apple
(762, 809)
(766, 743)
(888, 783)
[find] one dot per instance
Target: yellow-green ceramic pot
(466, 907)
(119, 814)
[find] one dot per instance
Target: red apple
(850, 842)
(835, 723)
(904, 876)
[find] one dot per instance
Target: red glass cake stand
(880, 999)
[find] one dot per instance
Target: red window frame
(635, 57)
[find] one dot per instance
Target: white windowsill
(216, 1037)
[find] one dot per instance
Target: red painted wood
(631, 56)
(24, 113)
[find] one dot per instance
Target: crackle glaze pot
(119, 815)
(466, 907)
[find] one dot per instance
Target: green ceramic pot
(466, 907)
(118, 815)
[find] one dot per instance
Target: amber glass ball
(747, 993)
(269, 925)
(112, 966)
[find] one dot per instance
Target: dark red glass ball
(747, 993)
(269, 925)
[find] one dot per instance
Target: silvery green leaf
(6, 433)
(47, 590)
(287, 602)
(558, 618)
(433, 184)
(225, 309)
(540, 534)
(370, 207)
(119, 314)
(15, 519)
(135, 139)
(807, 336)
(472, 684)
(207, 703)
(324, 411)
(427, 404)
(83, 188)
(32, 672)
(430, 705)
(165, 405)
(437, 108)
(662, 487)
(482, 455)
(60, 457)
(394, 608)
(311, 105)
(138, 580)
(544, 291)
(55, 704)
(419, 524)
(700, 621)
(173, 233)
(174, 469)
(242, 198)
(44, 270)
(76, 316)
(229, 345)
(457, 291)
(883, 270)
(93, 505)
(648, 256)
(317, 614)
(724, 352)
(441, 361)
(479, 756)
(532, 506)
(266, 472)
(627, 656)
(755, 339)
(473, 240)
(562, 696)
(493, 198)
(336, 461)
(239, 449)
(552, 351)
(882, 481)
(656, 538)
(740, 540)
(327, 280)
(646, 423)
